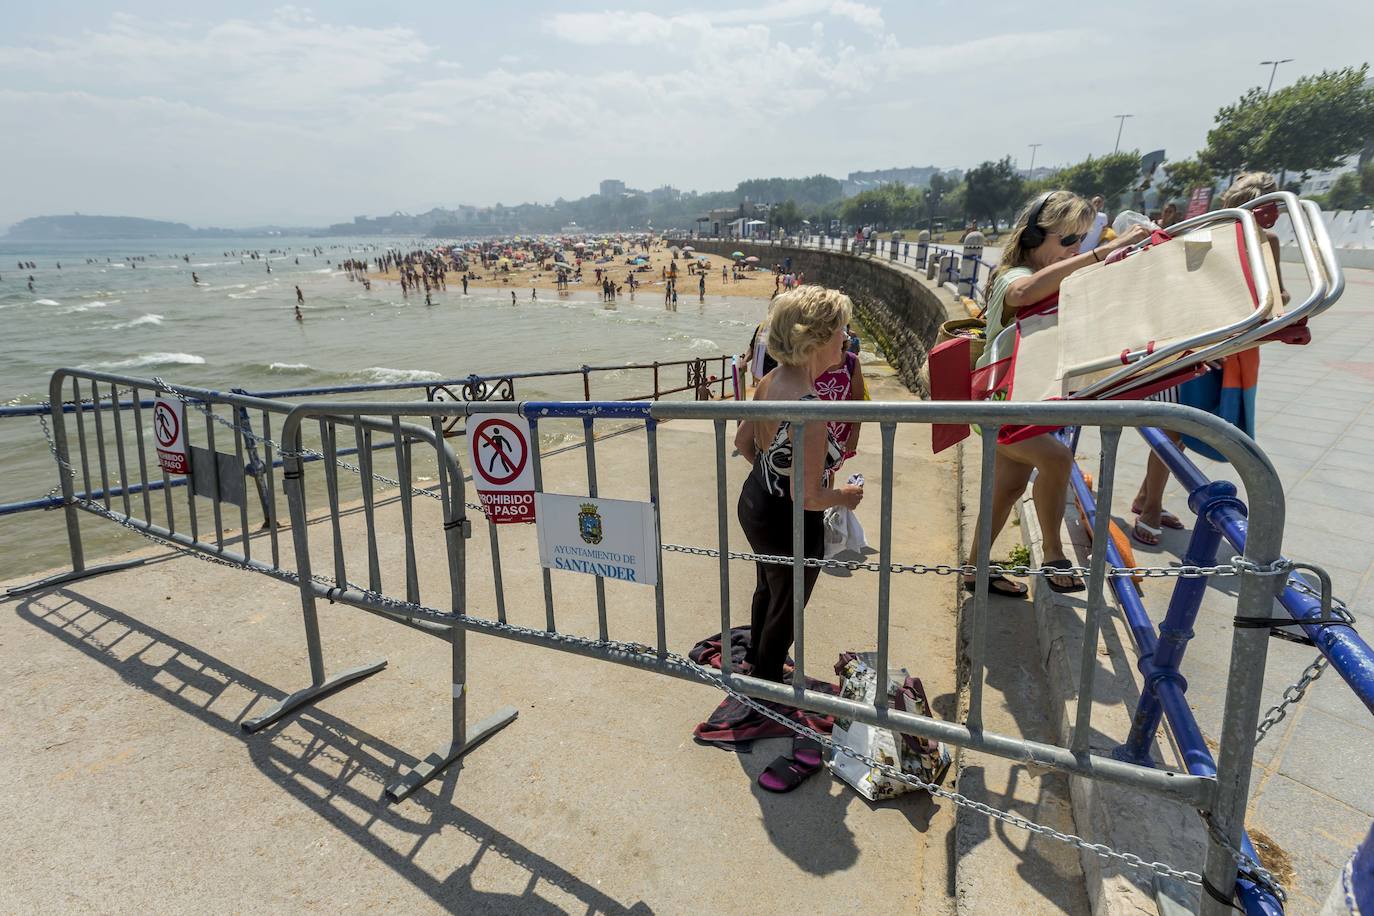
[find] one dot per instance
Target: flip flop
(998, 585)
(783, 775)
(1166, 518)
(807, 753)
(1077, 585)
(1146, 534)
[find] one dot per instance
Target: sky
(258, 113)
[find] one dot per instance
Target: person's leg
(1009, 478)
(758, 612)
(1149, 501)
(1053, 462)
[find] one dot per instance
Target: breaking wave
(144, 360)
(384, 375)
(139, 322)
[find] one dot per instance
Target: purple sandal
(786, 773)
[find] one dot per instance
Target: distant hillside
(79, 226)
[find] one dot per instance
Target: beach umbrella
(751, 260)
(738, 254)
(688, 248)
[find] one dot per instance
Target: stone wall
(894, 309)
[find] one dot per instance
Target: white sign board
(502, 470)
(613, 538)
(169, 434)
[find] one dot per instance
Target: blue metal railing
(1220, 515)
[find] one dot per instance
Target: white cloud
(633, 27)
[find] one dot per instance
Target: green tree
(785, 215)
(991, 190)
(1308, 126)
(1183, 176)
(1111, 176)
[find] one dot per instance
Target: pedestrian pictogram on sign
(499, 448)
(169, 432)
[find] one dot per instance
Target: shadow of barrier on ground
(329, 766)
(412, 429)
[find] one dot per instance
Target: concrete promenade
(1313, 783)
(1313, 788)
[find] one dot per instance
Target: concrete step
(1002, 869)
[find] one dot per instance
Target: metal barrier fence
(698, 377)
(400, 435)
(1221, 798)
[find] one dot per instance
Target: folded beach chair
(1146, 318)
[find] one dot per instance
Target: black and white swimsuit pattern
(775, 464)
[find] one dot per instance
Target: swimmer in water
(299, 316)
(194, 278)
(300, 296)
(512, 296)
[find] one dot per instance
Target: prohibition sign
(509, 454)
(165, 425)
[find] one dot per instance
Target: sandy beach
(755, 283)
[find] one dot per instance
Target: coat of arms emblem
(589, 523)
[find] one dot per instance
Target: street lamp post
(1030, 173)
(1274, 64)
(1121, 124)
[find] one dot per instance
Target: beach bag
(925, 759)
(974, 329)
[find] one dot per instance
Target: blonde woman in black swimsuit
(806, 336)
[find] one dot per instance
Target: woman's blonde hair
(1248, 186)
(1064, 213)
(804, 318)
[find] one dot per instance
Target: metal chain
(1295, 692)
(1249, 867)
(1291, 695)
(1236, 567)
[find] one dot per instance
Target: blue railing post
(1177, 627)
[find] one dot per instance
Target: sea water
(236, 329)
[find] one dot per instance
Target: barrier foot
(74, 576)
(435, 763)
(290, 703)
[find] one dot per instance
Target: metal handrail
(53, 501)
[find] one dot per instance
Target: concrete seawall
(897, 310)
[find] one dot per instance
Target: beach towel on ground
(734, 724)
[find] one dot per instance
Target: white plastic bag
(843, 533)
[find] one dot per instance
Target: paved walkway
(1313, 787)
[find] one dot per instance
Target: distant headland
(82, 226)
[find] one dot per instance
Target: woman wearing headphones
(1041, 251)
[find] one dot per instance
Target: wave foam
(46, 302)
(144, 360)
(83, 307)
(288, 367)
(385, 375)
(138, 322)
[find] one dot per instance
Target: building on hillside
(665, 194)
(612, 187)
(916, 176)
(1321, 182)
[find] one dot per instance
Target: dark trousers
(767, 523)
